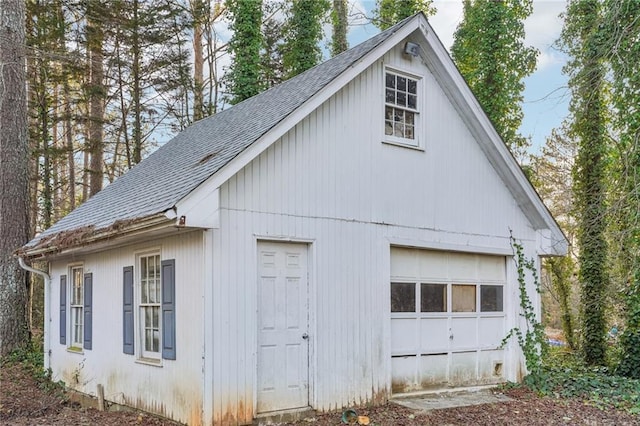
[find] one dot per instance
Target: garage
(447, 319)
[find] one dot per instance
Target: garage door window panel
(433, 298)
(491, 298)
(403, 297)
(463, 298)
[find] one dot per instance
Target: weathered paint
(331, 182)
(173, 389)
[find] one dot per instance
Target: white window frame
(146, 304)
(417, 112)
(76, 307)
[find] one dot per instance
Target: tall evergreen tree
(581, 38)
(243, 79)
(14, 193)
(389, 12)
(489, 51)
(302, 50)
(339, 22)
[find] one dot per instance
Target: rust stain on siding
(234, 414)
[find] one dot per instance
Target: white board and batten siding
(172, 388)
(331, 184)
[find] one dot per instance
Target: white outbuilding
(336, 240)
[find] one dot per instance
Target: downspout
(47, 309)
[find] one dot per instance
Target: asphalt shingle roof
(182, 164)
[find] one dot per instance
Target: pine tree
(490, 53)
(14, 197)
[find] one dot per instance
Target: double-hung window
(76, 311)
(77, 306)
(150, 305)
(401, 111)
(148, 308)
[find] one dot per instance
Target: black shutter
(88, 309)
(63, 309)
(168, 309)
(127, 311)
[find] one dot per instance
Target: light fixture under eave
(412, 49)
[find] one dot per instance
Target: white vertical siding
(173, 389)
(330, 181)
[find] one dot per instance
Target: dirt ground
(26, 401)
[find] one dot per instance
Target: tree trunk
(14, 181)
(136, 94)
(198, 10)
(95, 37)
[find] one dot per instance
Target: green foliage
(243, 78)
(566, 376)
(630, 339)
(581, 39)
(390, 12)
(31, 358)
(532, 341)
(620, 31)
(562, 270)
(302, 50)
(489, 51)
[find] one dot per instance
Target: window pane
(401, 99)
(408, 117)
(388, 113)
(398, 130)
(403, 297)
(463, 298)
(412, 86)
(491, 298)
(408, 132)
(412, 101)
(391, 81)
(433, 298)
(388, 128)
(390, 96)
(402, 84)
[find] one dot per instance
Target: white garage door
(447, 319)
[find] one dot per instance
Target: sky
(546, 97)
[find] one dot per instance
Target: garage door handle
(305, 336)
(451, 337)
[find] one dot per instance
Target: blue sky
(546, 97)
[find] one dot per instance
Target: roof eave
(72, 241)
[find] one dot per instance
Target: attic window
(401, 109)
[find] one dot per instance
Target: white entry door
(283, 340)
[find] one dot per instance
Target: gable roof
(208, 148)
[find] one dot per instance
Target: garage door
(447, 319)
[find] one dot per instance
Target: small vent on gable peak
(208, 157)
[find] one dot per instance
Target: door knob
(305, 336)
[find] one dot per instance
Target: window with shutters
(402, 108)
(150, 305)
(76, 306)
